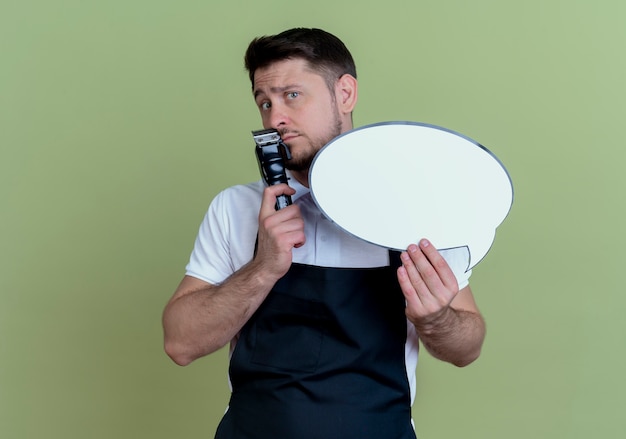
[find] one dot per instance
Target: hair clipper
(271, 153)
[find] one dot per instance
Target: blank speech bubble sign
(393, 183)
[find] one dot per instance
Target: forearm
(456, 337)
(201, 320)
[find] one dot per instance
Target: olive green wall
(120, 120)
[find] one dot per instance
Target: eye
(265, 105)
(293, 94)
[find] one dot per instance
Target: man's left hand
(428, 284)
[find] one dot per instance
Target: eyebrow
(275, 90)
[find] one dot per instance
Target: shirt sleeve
(210, 260)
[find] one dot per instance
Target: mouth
(286, 137)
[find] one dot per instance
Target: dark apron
(323, 358)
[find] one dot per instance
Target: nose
(278, 116)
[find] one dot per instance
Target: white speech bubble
(393, 183)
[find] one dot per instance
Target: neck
(302, 177)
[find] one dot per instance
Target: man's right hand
(279, 232)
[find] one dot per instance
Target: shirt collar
(300, 189)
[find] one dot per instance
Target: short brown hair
(324, 53)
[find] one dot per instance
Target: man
(323, 327)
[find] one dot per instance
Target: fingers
(428, 283)
(270, 194)
(409, 288)
(281, 230)
(433, 269)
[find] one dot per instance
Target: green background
(120, 120)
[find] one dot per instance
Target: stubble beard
(304, 161)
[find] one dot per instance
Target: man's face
(298, 103)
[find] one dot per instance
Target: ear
(346, 92)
